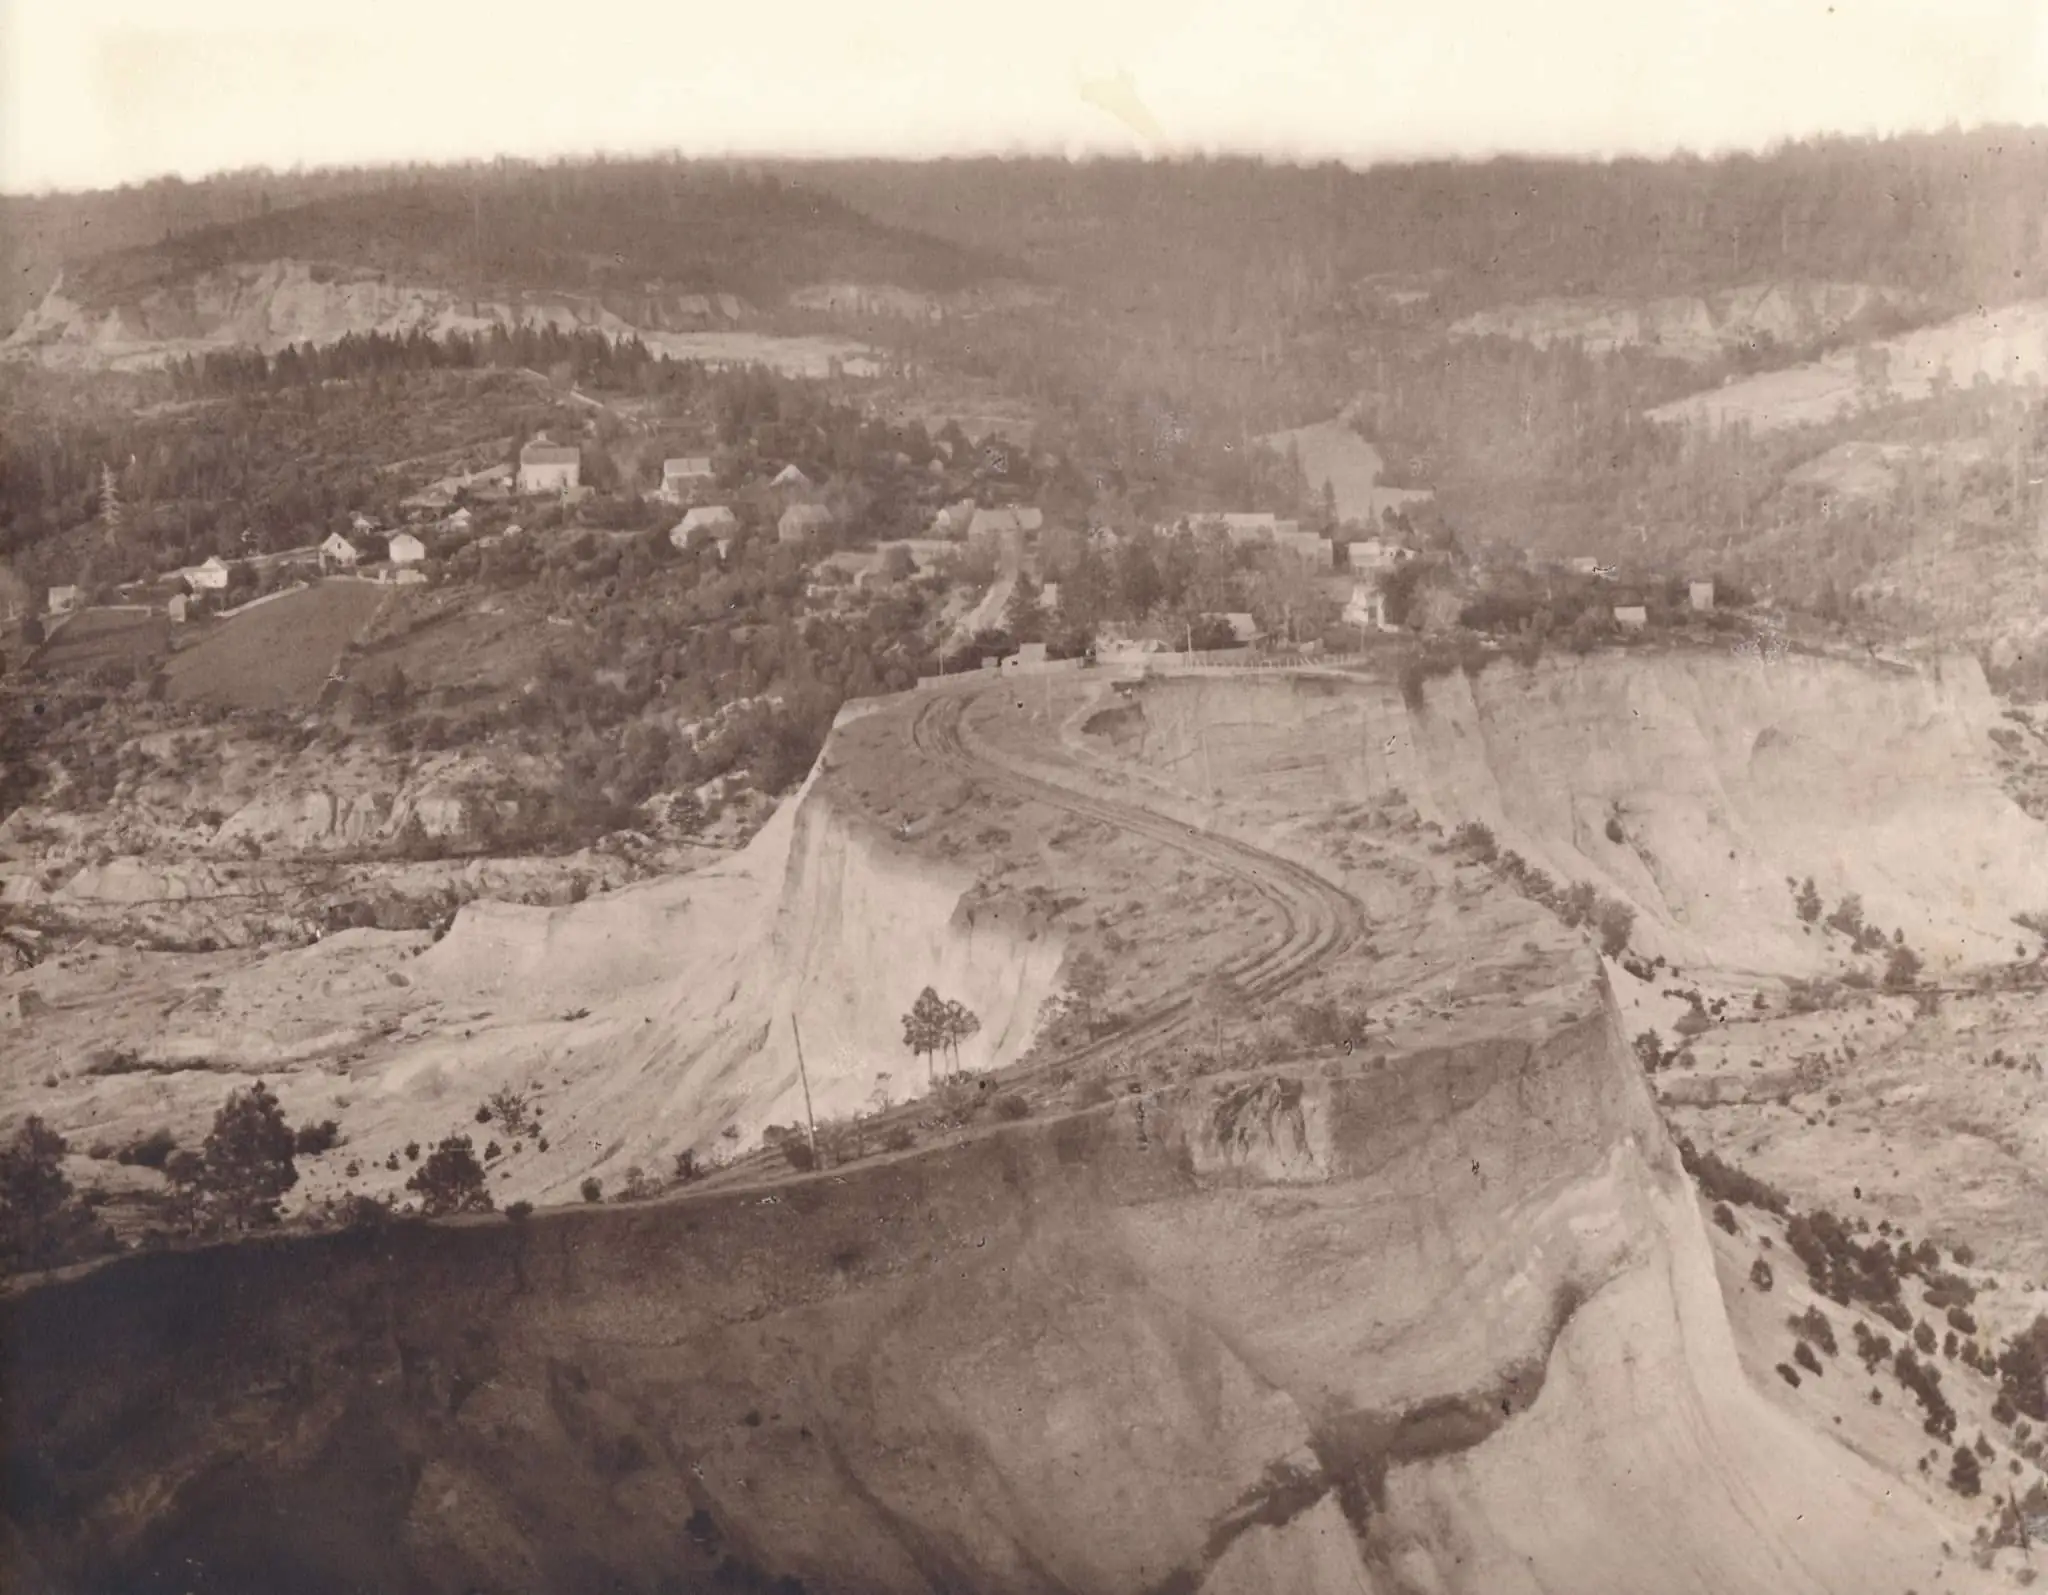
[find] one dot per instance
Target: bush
(1616, 921)
(519, 1212)
(313, 1139)
(1802, 1354)
(1012, 1106)
(149, 1151)
(1760, 1275)
(592, 1189)
(1785, 1373)
(1724, 1218)
(1964, 1475)
(1477, 840)
(1723, 1182)
(1901, 969)
(1813, 1325)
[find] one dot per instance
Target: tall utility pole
(803, 1074)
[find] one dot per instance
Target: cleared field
(96, 638)
(280, 654)
(1333, 454)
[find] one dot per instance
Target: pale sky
(98, 92)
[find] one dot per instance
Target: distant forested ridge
(593, 226)
(1962, 217)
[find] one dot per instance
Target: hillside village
(1238, 877)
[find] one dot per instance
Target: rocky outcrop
(274, 303)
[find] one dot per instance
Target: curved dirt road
(1320, 919)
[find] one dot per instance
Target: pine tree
(248, 1157)
(960, 1022)
(924, 1030)
(33, 1194)
(451, 1180)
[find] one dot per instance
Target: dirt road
(1321, 920)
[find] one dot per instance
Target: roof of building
(806, 515)
(790, 476)
(550, 454)
(706, 515)
(687, 465)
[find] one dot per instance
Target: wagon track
(1320, 920)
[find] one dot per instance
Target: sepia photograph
(1129, 798)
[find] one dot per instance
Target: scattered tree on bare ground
(451, 1180)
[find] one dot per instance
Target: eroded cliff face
(1691, 783)
(268, 305)
(690, 993)
(1438, 1322)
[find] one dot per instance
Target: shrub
(687, 1169)
(412, 1151)
(899, 1138)
(1871, 1349)
(512, 1111)
(1760, 1275)
(592, 1189)
(1964, 1475)
(1901, 969)
(1785, 1373)
(1614, 831)
(1012, 1106)
(1723, 1182)
(1615, 921)
(1724, 1218)
(1813, 1325)
(1806, 902)
(149, 1151)
(1477, 840)
(519, 1212)
(1802, 1354)
(313, 1139)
